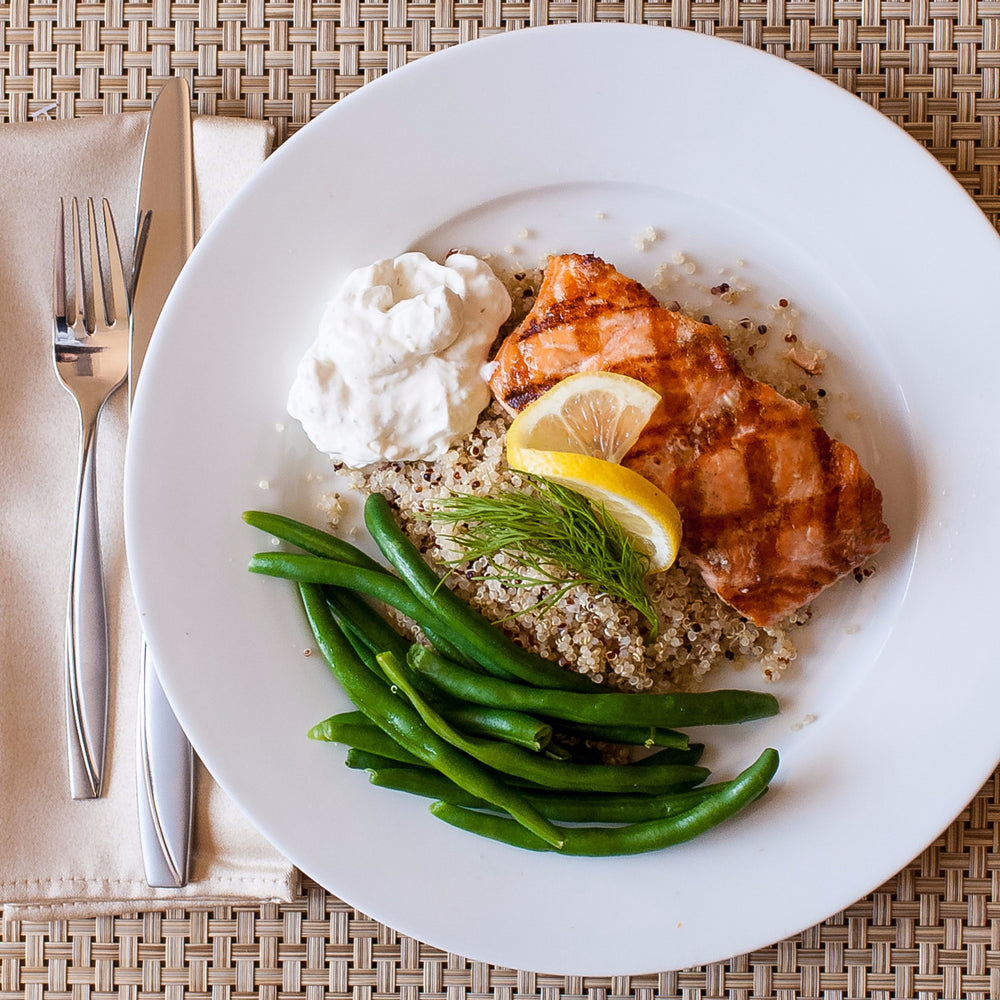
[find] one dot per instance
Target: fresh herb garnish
(550, 531)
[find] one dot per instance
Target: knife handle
(165, 784)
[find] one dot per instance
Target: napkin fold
(60, 857)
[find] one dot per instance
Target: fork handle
(87, 662)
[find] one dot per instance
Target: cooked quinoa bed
(588, 631)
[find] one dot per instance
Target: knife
(165, 239)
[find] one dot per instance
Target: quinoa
(588, 631)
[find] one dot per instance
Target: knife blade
(165, 227)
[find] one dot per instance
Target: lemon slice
(600, 414)
(577, 432)
(642, 509)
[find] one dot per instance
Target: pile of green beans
(502, 740)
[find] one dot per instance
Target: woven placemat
(932, 66)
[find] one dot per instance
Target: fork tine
(76, 308)
(95, 300)
(119, 295)
(59, 265)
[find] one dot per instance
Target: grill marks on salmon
(774, 509)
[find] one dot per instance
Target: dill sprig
(550, 531)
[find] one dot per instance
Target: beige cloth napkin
(60, 857)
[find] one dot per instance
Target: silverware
(91, 357)
(165, 761)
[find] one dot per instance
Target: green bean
(369, 638)
(681, 709)
(356, 730)
(352, 717)
(403, 723)
(360, 647)
(322, 543)
(334, 573)
(312, 540)
(367, 624)
(636, 838)
(356, 614)
(365, 760)
(692, 754)
(633, 736)
(427, 783)
(477, 720)
(520, 763)
(499, 724)
(597, 806)
(382, 587)
(590, 753)
(556, 806)
(480, 638)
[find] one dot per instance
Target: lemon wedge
(590, 413)
(577, 432)
(642, 509)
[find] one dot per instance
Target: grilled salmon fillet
(774, 509)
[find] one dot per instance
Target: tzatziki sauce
(399, 367)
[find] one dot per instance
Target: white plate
(580, 138)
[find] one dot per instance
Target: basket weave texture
(931, 66)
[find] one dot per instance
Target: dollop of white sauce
(398, 370)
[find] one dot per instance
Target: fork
(91, 344)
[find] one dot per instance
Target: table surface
(931, 66)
